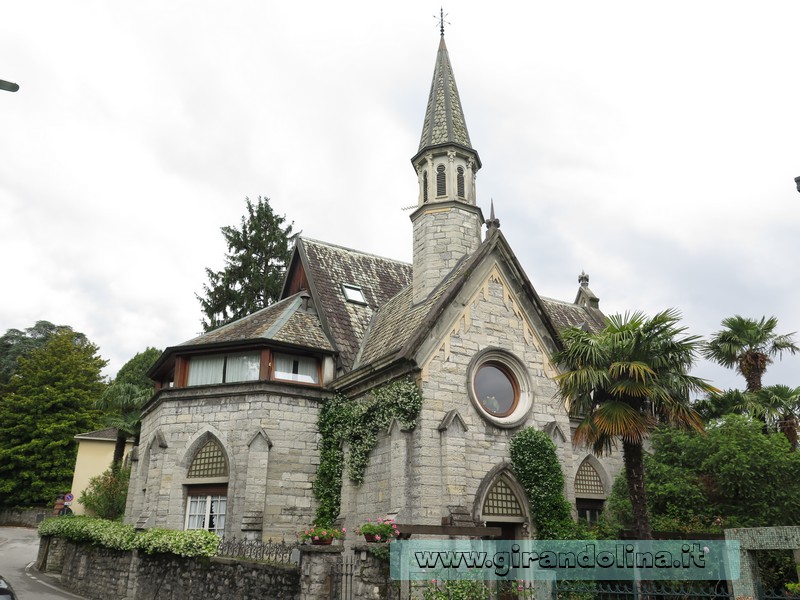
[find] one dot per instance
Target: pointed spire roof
(444, 118)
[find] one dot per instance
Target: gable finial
(583, 279)
(492, 222)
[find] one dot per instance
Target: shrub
(106, 494)
(536, 466)
(116, 535)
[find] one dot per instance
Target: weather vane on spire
(441, 20)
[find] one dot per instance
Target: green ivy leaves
(536, 466)
(357, 423)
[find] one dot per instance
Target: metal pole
(8, 86)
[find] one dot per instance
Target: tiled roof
(109, 433)
(284, 321)
(444, 119)
(329, 267)
(397, 320)
(565, 314)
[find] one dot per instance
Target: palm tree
(748, 346)
(623, 382)
(123, 403)
(778, 406)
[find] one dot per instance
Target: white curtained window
(221, 368)
(296, 368)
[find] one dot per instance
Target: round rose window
(499, 387)
(496, 389)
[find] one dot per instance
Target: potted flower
(382, 530)
(321, 534)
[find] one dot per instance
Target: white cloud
(653, 146)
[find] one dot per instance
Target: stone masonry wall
(444, 464)
(24, 517)
(269, 434)
(102, 574)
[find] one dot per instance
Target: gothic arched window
(207, 501)
(425, 186)
(441, 186)
(209, 462)
(460, 182)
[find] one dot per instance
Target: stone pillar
(316, 566)
(255, 492)
(399, 475)
(453, 456)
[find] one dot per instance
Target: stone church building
(230, 439)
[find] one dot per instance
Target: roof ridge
(354, 251)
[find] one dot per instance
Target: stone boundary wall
(102, 573)
(24, 517)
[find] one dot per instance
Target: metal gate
(342, 578)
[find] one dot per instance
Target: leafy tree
(749, 346)
(50, 400)
(135, 370)
(106, 494)
(257, 258)
(623, 382)
(124, 398)
(15, 343)
(734, 476)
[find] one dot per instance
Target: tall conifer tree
(255, 264)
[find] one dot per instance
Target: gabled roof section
(444, 119)
(565, 314)
(400, 326)
(292, 321)
(326, 269)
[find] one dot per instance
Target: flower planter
(325, 542)
(371, 539)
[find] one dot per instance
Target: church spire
(447, 222)
(444, 118)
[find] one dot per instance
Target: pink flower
(377, 537)
(324, 532)
(369, 520)
(344, 529)
(316, 537)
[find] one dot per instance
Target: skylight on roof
(353, 293)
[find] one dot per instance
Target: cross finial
(441, 20)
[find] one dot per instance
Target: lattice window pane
(501, 501)
(209, 462)
(587, 481)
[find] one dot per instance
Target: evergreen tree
(50, 400)
(257, 258)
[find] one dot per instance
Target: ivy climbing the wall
(357, 423)
(536, 466)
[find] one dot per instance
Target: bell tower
(447, 222)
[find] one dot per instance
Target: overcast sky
(653, 145)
